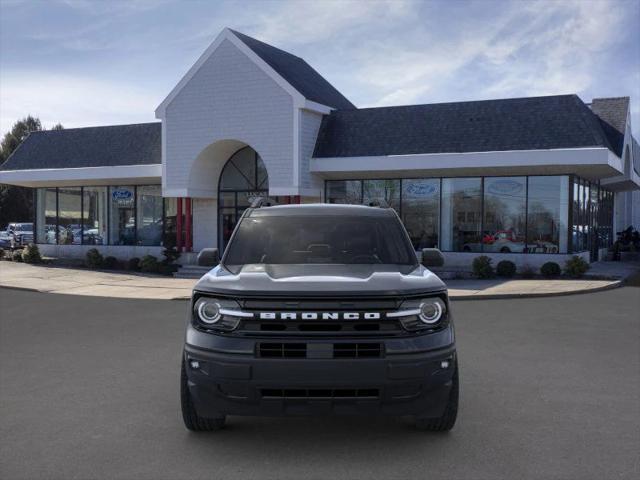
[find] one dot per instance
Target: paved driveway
(550, 389)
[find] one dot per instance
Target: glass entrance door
(243, 179)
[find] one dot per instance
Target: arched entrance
(243, 178)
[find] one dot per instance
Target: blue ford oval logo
(505, 187)
(121, 194)
(422, 189)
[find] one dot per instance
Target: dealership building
(529, 179)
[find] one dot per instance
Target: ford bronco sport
(320, 309)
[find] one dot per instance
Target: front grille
(318, 327)
(319, 351)
(357, 350)
(320, 393)
(282, 350)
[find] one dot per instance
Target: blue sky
(84, 63)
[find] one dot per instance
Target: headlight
(421, 314)
(218, 314)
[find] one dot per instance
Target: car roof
(320, 209)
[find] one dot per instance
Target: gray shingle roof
(298, 73)
(533, 123)
(109, 146)
(613, 116)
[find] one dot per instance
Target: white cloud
(73, 101)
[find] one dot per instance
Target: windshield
(23, 227)
(320, 240)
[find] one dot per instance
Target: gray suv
(318, 310)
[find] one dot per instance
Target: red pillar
(187, 227)
(179, 224)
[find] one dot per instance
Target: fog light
(194, 364)
(444, 364)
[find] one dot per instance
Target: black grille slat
(320, 393)
(299, 350)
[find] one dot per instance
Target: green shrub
(31, 254)
(149, 264)
(506, 268)
(110, 263)
(527, 271)
(576, 267)
(133, 264)
(482, 267)
(16, 256)
(170, 252)
(550, 269)
(94, 258)
(166, 269)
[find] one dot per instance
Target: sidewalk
(77, 281)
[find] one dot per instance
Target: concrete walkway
(77, 281)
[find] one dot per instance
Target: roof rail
(260, 202)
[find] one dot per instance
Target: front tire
(192, 420)
(445, 422)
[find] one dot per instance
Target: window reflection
(46, 216)
(383, 193)
(547, 214)
(421, 211)
(149, 215)
(122, 217)
(505, 200)
(94, 227)
(344, 191)
(461, 214)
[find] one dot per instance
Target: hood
(321, 280)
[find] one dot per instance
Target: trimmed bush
(16, 256)
(506, 268)
(31, 254)
(482, 267)
(149, 264)
(167, 269)
(527, 271)
(133, 264)
(550, 270)
(94, 258)
(576, 267)
(110, 263)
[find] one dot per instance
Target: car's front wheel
(192, 420)
(445, 422)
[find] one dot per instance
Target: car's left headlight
(217, 314)
(421, 314)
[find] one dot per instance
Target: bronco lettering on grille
(319, 316)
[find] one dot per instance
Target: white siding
(229, 97)
(205, 223)
(309, 126)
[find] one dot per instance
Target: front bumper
(407, 380)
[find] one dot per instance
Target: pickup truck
(320, 309)
(19, 235)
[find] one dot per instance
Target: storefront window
(149, 215)
(170, 221)
(344, 191)
(69, 216)
(94, 217)
(122, 219)
(46, 216)
(505, 200)
(461, 215)
(384, 193)
(421, 211)
(548, 205)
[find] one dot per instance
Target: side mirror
(208, 257)
(432, 257)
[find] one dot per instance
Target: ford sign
(121, 194)
(422, 189)
(505, 187)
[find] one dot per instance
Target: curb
(505, 296)
(496, 296)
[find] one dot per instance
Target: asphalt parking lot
(550, 389)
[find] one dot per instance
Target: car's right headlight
(217, 314)
(421, 314)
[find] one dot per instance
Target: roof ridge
(98, 126)
(486, 100)
(235, 32)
